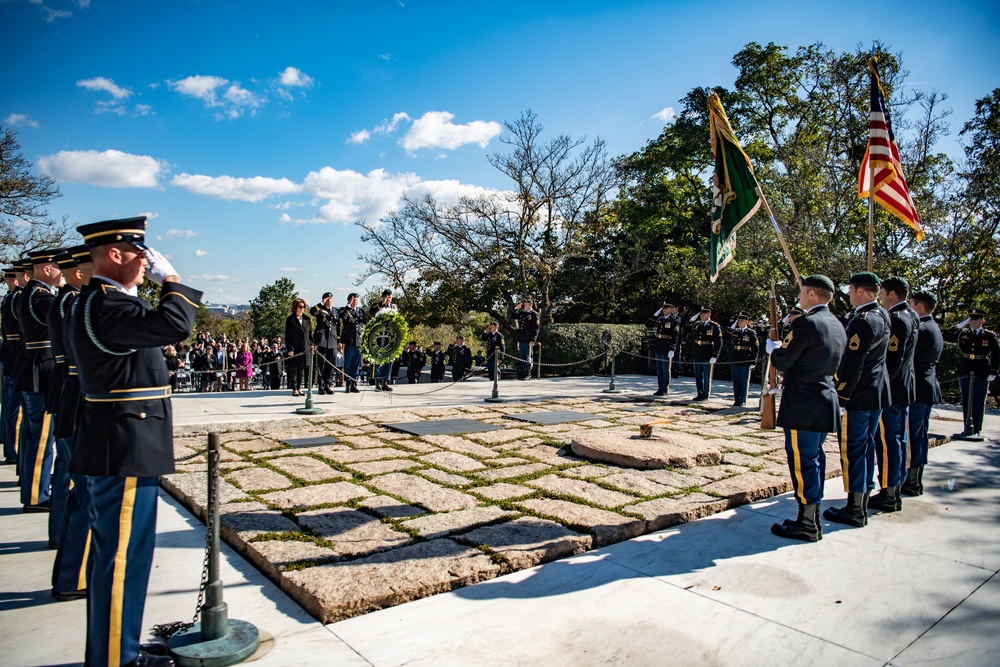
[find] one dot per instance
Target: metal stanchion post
(495, 397)
(606, 339)
(539, 346)
(215, 641)
(309, 409)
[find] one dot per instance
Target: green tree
(270, 308)
(24, 196)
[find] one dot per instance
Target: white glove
(991, 377)
(753, 366)
(771, 345)
(159, 266)
(775, 392)
(694, 317)
(670, 355)
(713, 360)
(962, 323)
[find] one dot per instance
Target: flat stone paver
(279, 554)
(461, 445)
(494, 474)
(320, 494)
(390, 507)
(606, 527)
(445, 477)
(259, 479)
(665, 512)
(503, 491)
(444, 523)
(342, 590)
(308, 469)
(359, 455)
(248, 520)
(383, 466)
(420, 491)
(529, 541)
(665, 449)
(586, 491)
(453, 461)
(352, 532)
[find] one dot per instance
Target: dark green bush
(568, 343)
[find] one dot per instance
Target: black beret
(818, 281)
(865, 278)
(924, 297)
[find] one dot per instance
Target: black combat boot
(852, 514)
(886, 500)
(913, 486)
(806, 527)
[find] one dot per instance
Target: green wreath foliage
(392, 323)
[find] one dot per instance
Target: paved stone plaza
(380, 518)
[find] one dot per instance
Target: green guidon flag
(735, 196)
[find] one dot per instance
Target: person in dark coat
(298, 343)
(528, 327)
(930, 344)
(863, 391)
(352, 326)
(493, 340)
(978, 365)
(668, 330)
(325, 337)
(745, 350)
(890, 436)
(461, 360)
(415, 361)
(809, 357)
(124, 437)
(10, 403)
(706, 344)
(438, 360)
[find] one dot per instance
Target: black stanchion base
(188, 649)
(495, 399)
(309, 411)
(968, 438)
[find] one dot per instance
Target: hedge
(569, 343)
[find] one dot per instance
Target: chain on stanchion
(167, 630)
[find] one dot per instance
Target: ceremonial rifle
(767, 412)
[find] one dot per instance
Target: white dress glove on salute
(771, 345)
(962, 323)
(670, 355)
(992, 377)
(159, 266)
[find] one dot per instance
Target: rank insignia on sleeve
(893, 344)
(855, 343)
(788, 339)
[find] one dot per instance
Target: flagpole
(871, 209)
(781, 238)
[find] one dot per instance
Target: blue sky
(253, 134)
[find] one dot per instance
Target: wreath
(384, 337)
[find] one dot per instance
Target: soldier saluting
(745, 350)
(706, 344)
(493, 340)
(977, 367)
(667, 327)
(124, 438)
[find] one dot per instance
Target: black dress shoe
(36, 509)
(68, 595)
(852, 514)
(886, 500)
(657, 393)
(154, 648)
(806, 527)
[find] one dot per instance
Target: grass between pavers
(558, 442)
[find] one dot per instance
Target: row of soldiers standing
(86, 418)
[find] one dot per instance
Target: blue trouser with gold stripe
(806, 463)
(890, 446)
(69, 572)
(38, 444)
(662, 371)
(973, 422)
(857, 448)
(920, 417)
(123, 515)
(741, 382)
(703, 378)
(10, 407)
(60, 488)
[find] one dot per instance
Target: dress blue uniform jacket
(980, 353)
(904, 325)
(668, 331)
(809, 357)
(36, 364)
(706, 340)
(930, 344)
(116, 342)
(862, 380)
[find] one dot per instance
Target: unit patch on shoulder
(855, 343)
(893, 344)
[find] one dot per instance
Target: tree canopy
(270, 308)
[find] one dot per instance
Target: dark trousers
(524, 351)
(382, 371)
(123, 513)
(11, 409)
(920, 417)
(324, 365)
(806, 463)
(741, 383)
(352, 363)
(69, 572)
(413, 374)
(662, 372)
(857, 449)
(437, 373)
(295, 366)
(38, 445)
(974, 421)
(703, 378)
(890, 446)
(60, 488)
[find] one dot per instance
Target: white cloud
(390, 126)
(19, 120)
(211, 278)
(435, 130)
(101, 83)
(200, 87)
(386, 57)
(359, 137)
(289, 269)
(294, 78)
(111, 168)
(201, 253)
(665, 115)
(240, 99)
(180, 234)
(253, 189)
(53, 14)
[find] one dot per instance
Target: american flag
(891, 190)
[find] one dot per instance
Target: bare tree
(24, 196)
(489, 252)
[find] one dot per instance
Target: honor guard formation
(89, 367)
